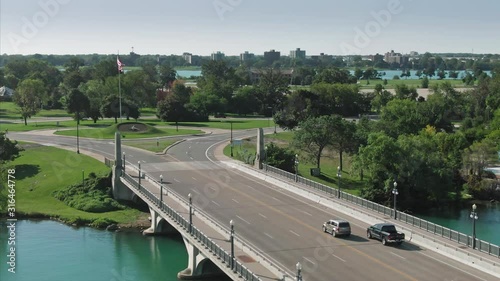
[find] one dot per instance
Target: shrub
(102, 223)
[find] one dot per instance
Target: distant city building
(218, 56)
(6, 93)
(413, 54)
(298, 54)
(271, 56)
(246, 56)
(393, 57)
(188, 57)
(322, 56)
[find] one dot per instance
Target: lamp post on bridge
(139, 164)
(299, 271)
(296, 167)
(231, 124)
(339, 176)
(473, 216)
(265, 157)
(161, 191)
(231, 238)
(77, 136)
(190, 213)
(395, 192)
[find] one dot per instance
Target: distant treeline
(427, 61)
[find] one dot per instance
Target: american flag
(120, 65)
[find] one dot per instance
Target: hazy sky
(233, 26)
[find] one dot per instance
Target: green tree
(167, 75)
(245, 100)
(272, 89)
(28, 97)
(344, 138)
(279, 157)
(298, 106)
(335, 75)
(405, 92)
(314, 136)
(425, 83)
(77, 103)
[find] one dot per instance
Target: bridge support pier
(199, 266)
(159, 226)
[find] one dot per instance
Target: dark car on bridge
(385, 232)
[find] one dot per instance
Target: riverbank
(42, 170)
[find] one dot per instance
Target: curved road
(285, 228)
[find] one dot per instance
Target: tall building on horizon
(188, 57)
(298, 54)
(218, 56)
(246, 56)
(271, 56)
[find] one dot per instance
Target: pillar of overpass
(120, 191)
(159, 225)
(197, 265)
(259, 157)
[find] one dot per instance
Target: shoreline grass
(41, 170)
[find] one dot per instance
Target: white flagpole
(120, 90)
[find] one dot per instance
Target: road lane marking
(339, 258)
(215, 203)
(294, 233)
(176, 180)
(242, 219)
(262, 215)
(189, 147)
(235, 201)
(309, 260)
(194, 178)
(195, 191)
(454, 267)
(268, 235)
(397, 255)
(276, 199)
(306, 213)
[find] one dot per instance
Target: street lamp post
(339, 176)
(161, 191)
(299, 271)
(77, 137)
(190, 213)
(296, 166)
(139, 163)
(265, 157)
(395, 192)
(473, 216)
(231, 223)
(231, 124)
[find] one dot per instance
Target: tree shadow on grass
(26, 171)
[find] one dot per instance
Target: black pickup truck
(385, 232)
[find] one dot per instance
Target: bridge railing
(461, 238)
(204, 240)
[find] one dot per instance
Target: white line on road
(268, 235)
(195, 191)
(189, 147)
(276, 199)
(194, 178)
(242, 219)
(309, 260)
(294, 233)
(306, 213)
(191, 158)
(216, 203)
(398, 255)
(338, 258)
(262, 215)
(176, 180)
(454, 267)
(235, 201)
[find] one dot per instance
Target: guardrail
(461, 238)
(204, 240)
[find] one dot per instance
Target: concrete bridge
(281, 223)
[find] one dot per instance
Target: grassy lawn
(9, 110)
(152, 145)
(417, 83)
(148, 111)
(35, 125)
(225, 123)
(109, 133)
(349, 182)
(41, 170)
